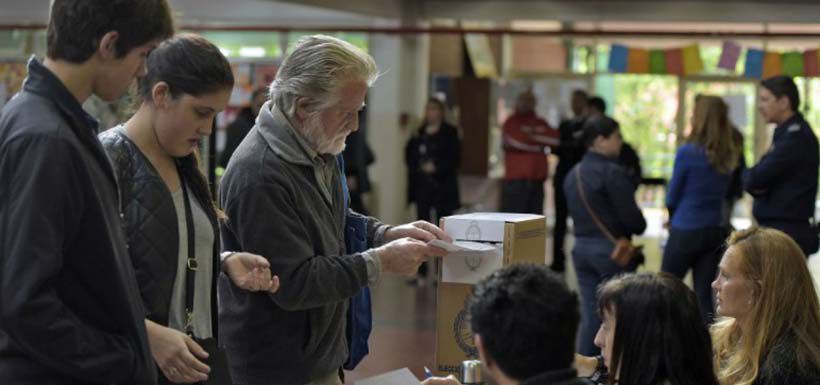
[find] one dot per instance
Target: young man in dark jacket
(70, 310)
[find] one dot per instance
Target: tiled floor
(404, 316)
(403, 329)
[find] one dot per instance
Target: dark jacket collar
(42, 81)
(796, 119)
(596, 157)
(552, 377)
(281, 137)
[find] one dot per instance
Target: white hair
(317, 69)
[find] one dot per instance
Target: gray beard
(315, 136)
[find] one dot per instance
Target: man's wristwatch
(225, 255)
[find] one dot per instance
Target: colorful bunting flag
(618, 57)
(772, 64)
(811, 63)
(657, 62)
(637, 61)
(688, 60)
(754, 63)
(793, 64)
(729, 56)
(674, 61)
(692, 62)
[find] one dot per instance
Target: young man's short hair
(527, 319)
(75, 27)
(783, 86)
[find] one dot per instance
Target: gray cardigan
(272, 195)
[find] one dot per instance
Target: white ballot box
(483, 243)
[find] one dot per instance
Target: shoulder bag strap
(589, 208)
(191, 263)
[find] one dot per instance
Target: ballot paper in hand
(462, 246)
(467, 261)
(402, 376)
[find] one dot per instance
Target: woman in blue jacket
(703, 167)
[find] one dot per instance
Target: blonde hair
(785, 302)
(712, 131)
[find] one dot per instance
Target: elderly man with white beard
(283, 196)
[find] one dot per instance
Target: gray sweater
(275, 195)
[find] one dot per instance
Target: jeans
(590, 256)
(699, 250)
(559, 231)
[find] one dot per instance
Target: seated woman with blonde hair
(769, 332)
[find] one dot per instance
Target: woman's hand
(177, 354)
(250, 272)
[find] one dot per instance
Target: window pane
(645, 106)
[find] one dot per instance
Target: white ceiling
(788, 11)
(289, 13)
(192, 12)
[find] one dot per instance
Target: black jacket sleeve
(779, 161)
(308, 280)
(621, 192)
(41, 206)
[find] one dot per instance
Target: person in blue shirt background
(784, 182)
(700, 180)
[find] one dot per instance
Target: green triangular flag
(657, 62)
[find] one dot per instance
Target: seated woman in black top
(651, 334)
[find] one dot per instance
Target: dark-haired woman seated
(651, 334)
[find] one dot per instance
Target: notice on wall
(737, 110)
(241, 93)
(481, 55)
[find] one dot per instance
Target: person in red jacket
(527, 139)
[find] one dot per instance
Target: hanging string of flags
(688, 61)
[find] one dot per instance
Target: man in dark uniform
(784, 182)
(570, 152)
